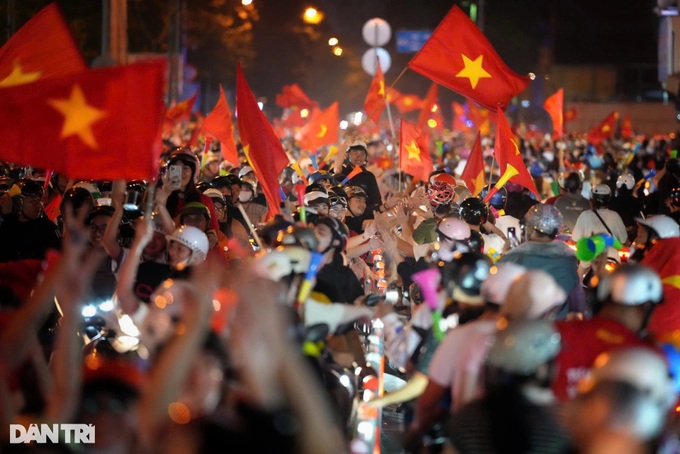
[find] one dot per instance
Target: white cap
(495, 287)
(244, 171)
(532, 295)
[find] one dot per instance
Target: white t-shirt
(588, 225)
(462, 351)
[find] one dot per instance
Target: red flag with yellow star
(218, 124)
(459, 56)
(260, 143)
(375, 98)
(321, 130)
(101, 124)
(626, 127)
(473, 174)
(428, 104)
(571, 114)
(414, 158)
(407, 102)
(42, 48)
(662, 258)
(509, 158)
(294, 97)
(554, 105)
(604, 130)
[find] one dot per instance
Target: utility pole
(118, 31)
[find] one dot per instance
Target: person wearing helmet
(169, 201)
(626, 298)
(230, 187)
(626, 205)
(571, 204)
(541, 224)
(247, 174)
(533, 295)
(476, 214)
(517, 413)
(323, 178)
(337, 198)
(458, 361)
(624, 404)
(316, 200)
(600, 219)
(657, 247)
(357, 209)
(25, 233)
(197, 215)
(227, 227)
(506, 223)
(355, 154)
(255, 211)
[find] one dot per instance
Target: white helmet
(282, 262)
(631, 285)
(496, 286)
(215, 194)
(625, 180)
(90, 187)
(453, 229)
(664, 226)
(647, 372)
(524, 345)
(532, 295)
(195, 240)
(244, 171)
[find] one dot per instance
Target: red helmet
(440, 193)
(443, 178)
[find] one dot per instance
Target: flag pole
(250, 226)
(398, 77)
(493, 160)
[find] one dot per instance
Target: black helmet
(355, 191)
(77, 197)
(319, 176)
(203, 186)
(473, 211)
(28, 188)
(338, 229)
(298, 236)
(272, 232)
(222, 181)
(464, 275)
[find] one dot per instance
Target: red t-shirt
(582, 342)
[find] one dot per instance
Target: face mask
(245, 196)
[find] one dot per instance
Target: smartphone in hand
(175, 177)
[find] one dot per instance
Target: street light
(333, 42)
(312, 16)
(337, 50)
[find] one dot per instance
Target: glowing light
(345, 381)
(312, 16)
(434, 108)
(89, 311)
(357, 118)
(179, 413)
(216, 305)
(260, 104)
(106, 306)
(304, 113)
(344, 124)
(127, 326)
(246, 2)
(333, 42)
(432, 123)
(337, 50)
(525, 103)
(160, 302)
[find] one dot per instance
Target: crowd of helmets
(515, 324)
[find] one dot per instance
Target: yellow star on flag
(473, 70)
(605, 128)
(413, 151)
(478, 183)
(408, 101)
(19, 77)
(78, 116)
(381, 90)
(323, 128)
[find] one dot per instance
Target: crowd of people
(177, 315)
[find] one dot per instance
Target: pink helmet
(453, 229)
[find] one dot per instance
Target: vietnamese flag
(459, 117)
(510, 159)
(414, 158)
(219, 124)
(42, 48)
(181, 110)
(481, 118)
(101, 124)
(571, 114)
(473, 174)
(662, 258)
(626, 127)
(408, 103)
(428, 104)
(554, 105)
(293, 97)
(321, 130)
(459, 56)
(375, 98)
(604, 130)
(261, 146)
